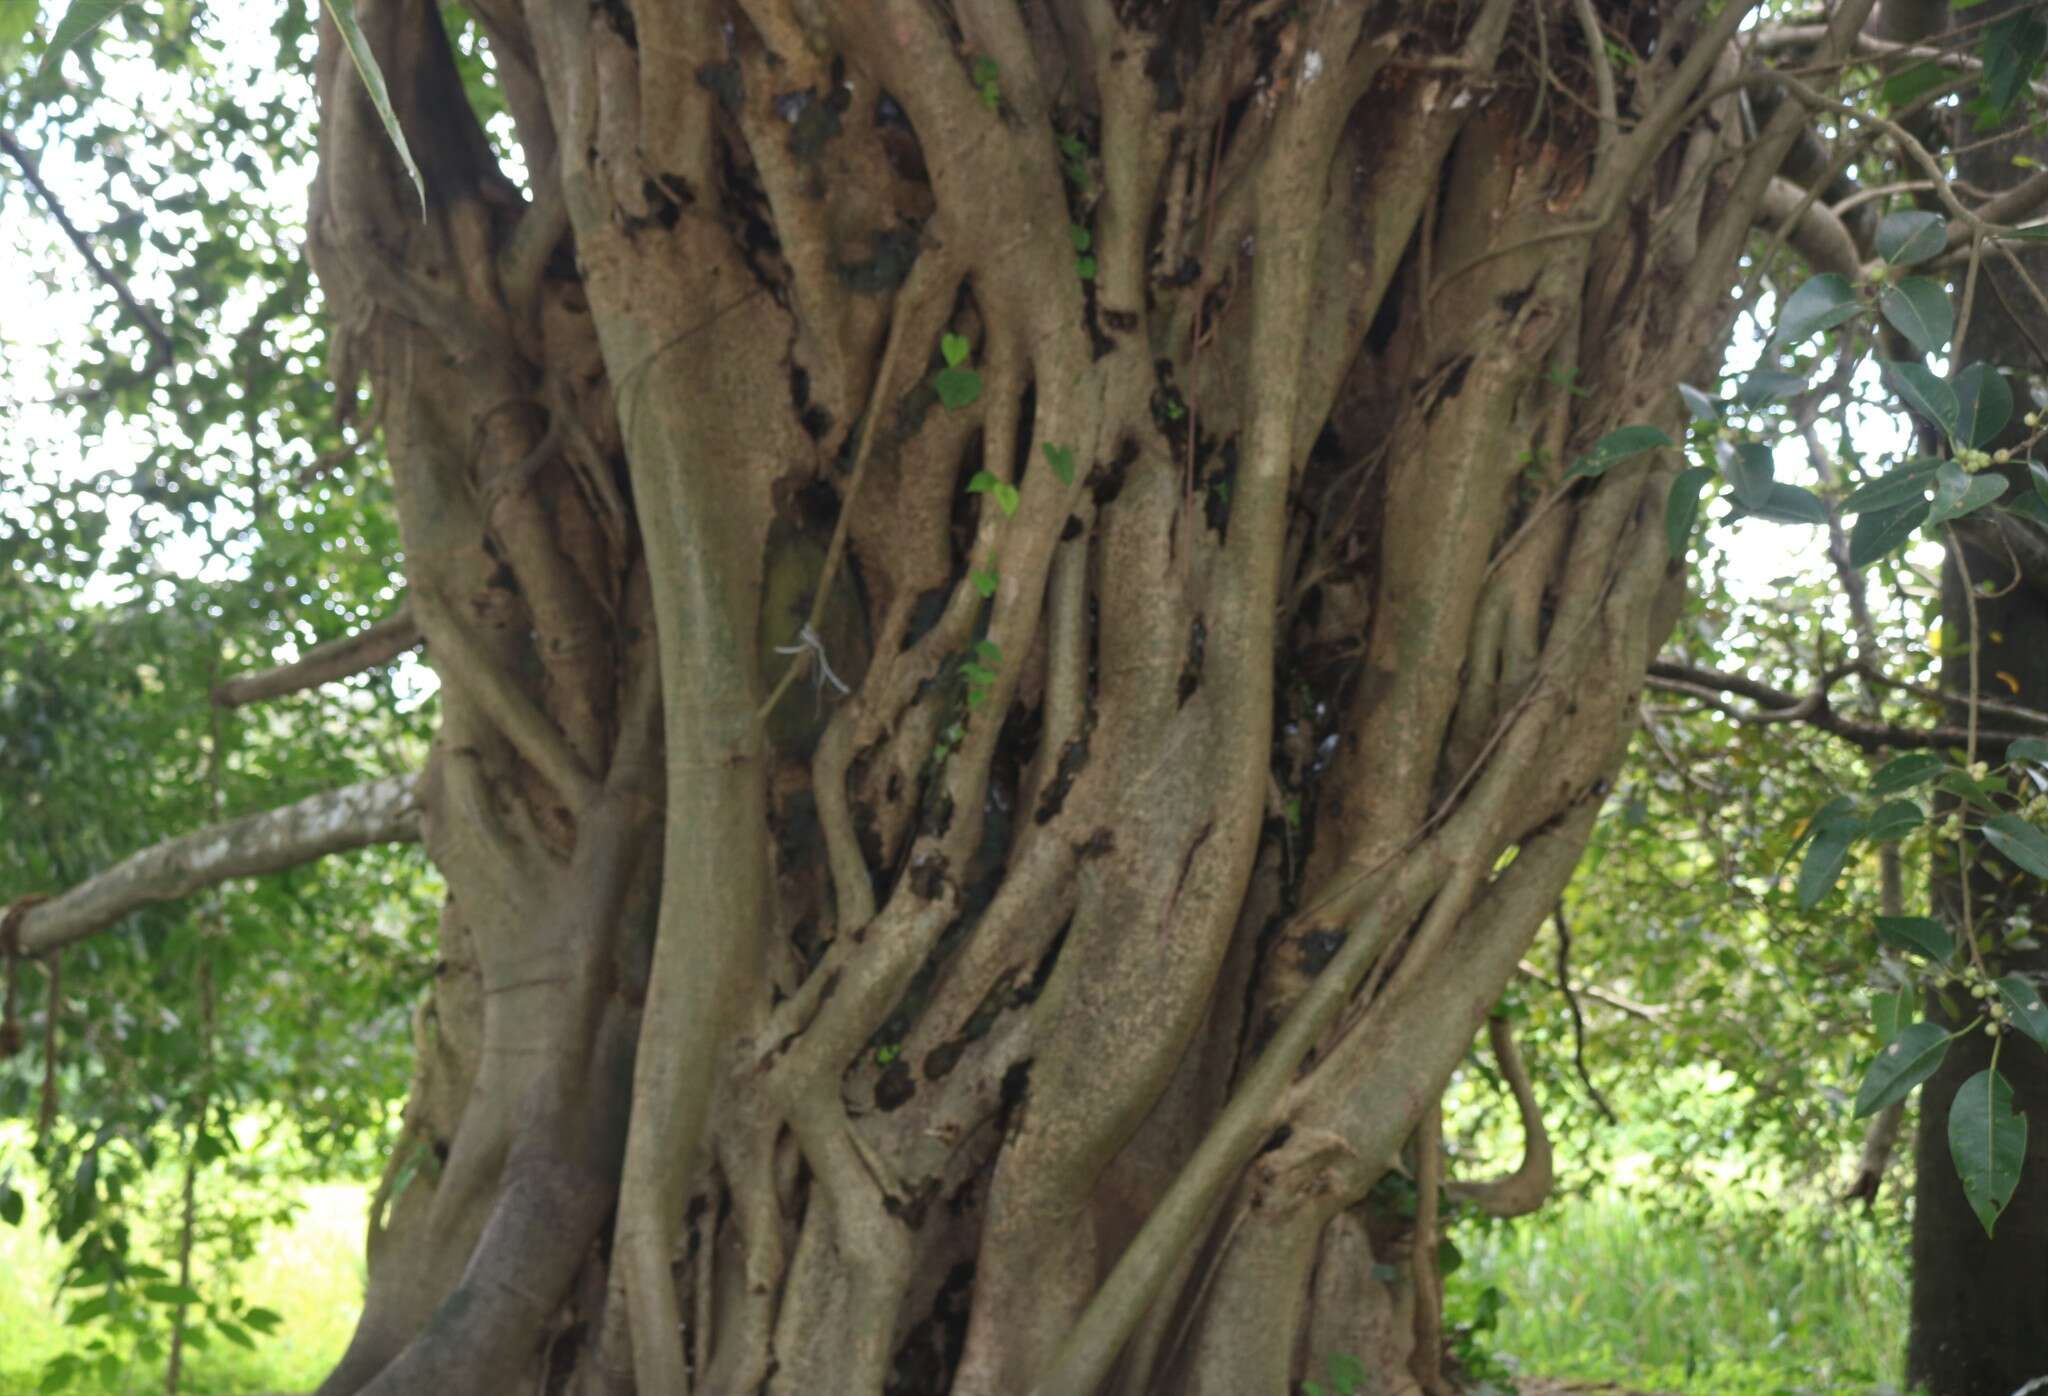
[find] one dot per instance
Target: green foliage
(986, 77)
(1742, 1299)
(1347, 1377)
(957, 385)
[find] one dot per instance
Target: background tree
(1034, 605)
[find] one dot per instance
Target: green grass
(311, 1273)
(1599, 1290)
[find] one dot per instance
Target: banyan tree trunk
(1019, 658)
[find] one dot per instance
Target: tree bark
(1147, 427)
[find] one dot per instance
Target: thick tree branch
(338, 659)
(1814, 230)
(335, 821)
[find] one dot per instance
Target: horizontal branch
(337, 659)
(334, 821)
(1812, 709)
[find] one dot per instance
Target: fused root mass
(1019, 666)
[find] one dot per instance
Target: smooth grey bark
(334, 821)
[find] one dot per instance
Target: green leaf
(236, 1334)
(89, 1310)
(78, 23)
(1061, 459)
(1983, 404)
(2023, 845)
(985, 580)
(1988, 1141)
(1702, 407)
(1957, 492)
(1827, 854)
(1080, 237)
(2033, 749)
(1902, 486)
(1006, 497)
(1895, 820)
(2029, 507)
(1979, 793)
(2024, 1007)
(2011, 51)
(1905, 772)
(955, 349)
(1749, 470)
(957, 387)
(1922, 935)
(344, 12)
(989, 652)
(1084, 267)
(1821, 303)
(170, 1294)
(11, 1204)
(1923, 392)
(1883, 530)
(1347, 1372)
(58, 1372)
(1789, 504)
(1919, 309)
(1915, 234)
(1615, 447)
(262, 1320)
(1682, 506)
(1890, 1013)
(1900, 1065)
(1762, 385)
